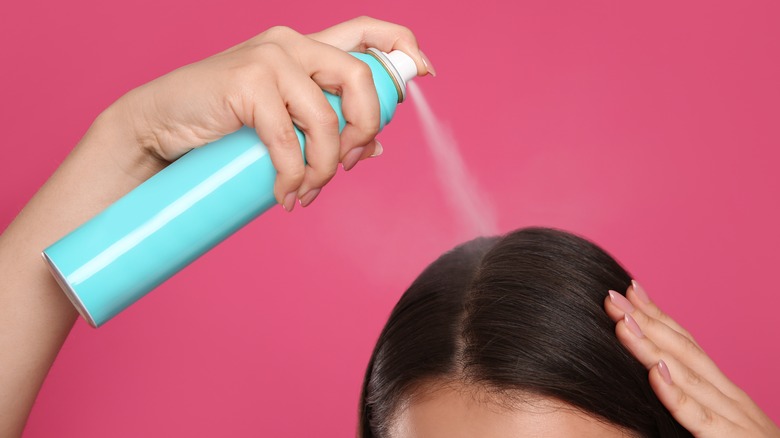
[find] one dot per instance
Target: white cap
(404, 64)
(400, 66)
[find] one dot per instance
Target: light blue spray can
(153, 232)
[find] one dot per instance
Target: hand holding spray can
(199, 200)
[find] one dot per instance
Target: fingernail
(289, 201)
(378, 149)
(665, 372)
(633, 326)
(309, 197)
(621, 302)
(428, 65)
(640, 291)
(352, 158)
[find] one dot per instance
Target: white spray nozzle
(400, 65)
(404, 64)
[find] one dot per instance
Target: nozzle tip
(404, 64)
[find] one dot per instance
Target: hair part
(514, 316)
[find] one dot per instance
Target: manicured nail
(428, 65)
(633, 326)
(289, 201)
(378, 149)
(665, 372)
(352, 158)
(309, 197)
(621, 302)
(640, 291)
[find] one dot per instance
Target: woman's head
(507, 335)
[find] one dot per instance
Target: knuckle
(681, 399)
(361, 73)
(365, 20)
(286, 137)
(276, 33)
(294, 176)
(330, 171)
(407, 33)
(367, 119)
(737, 404)
(324, 174)
(257, 62)
(267, 50)
(689, 347)
(367, 130)
(245, 71)
(692, 377)
(657, 313)
(648, 325)
(327, 118)
(706, 417)
(644, 320)
(656, 350)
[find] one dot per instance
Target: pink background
(649, 127)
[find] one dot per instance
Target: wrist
(116, 130)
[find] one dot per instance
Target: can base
(69, 292)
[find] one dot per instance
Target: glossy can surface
(153, 232)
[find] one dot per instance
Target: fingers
(669, 341)
(311, 112)
(663, 335)
(361, 33)
(697, 418)
(342, 74)
(294, 100)
(360, 106)
(637, 295)
(303, 67)
(683, 377)
(696, 385)
(275, 128)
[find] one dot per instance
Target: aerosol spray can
(153, 232)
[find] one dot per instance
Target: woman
(270, 83)
(508, 337)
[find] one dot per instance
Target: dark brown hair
(521, 312)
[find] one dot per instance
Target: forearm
(35, 315)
